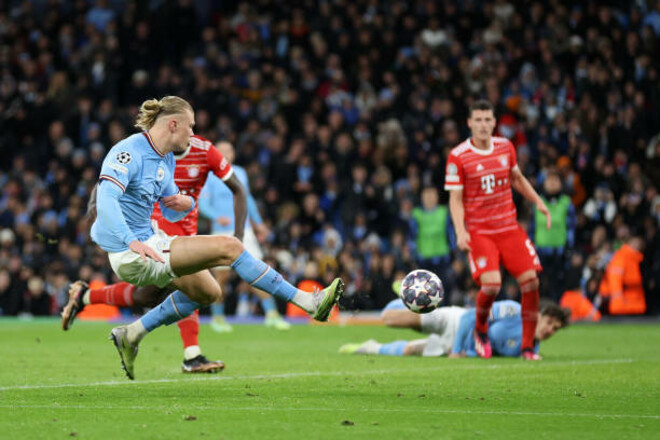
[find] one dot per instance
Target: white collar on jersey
(184, 154)
(479, 150)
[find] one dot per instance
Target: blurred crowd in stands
(343, 113)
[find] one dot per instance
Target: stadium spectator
(580, 81)
(621, 289)
(433, 236)
(552, 244)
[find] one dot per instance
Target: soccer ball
(421, 291)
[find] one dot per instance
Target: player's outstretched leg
(190, 254)
(193, 359)
(260, 275)
(396, 348)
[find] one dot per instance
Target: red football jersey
(484, 177)
(190, 173)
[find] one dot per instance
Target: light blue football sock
(243, 298)
(174, 308)
(260, 275)
(268, 304)
(393, 348)
(218, 309)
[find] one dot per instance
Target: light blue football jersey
(217, 200)
(143, 175)
(504, 330)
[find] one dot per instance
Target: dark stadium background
(341, 111)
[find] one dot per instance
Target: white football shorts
(130, 267)
(441, 324)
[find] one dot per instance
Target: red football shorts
(171, 229)
(513, 249)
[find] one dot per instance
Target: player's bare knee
(491, 289)
(529, 285)
(209, 296)
(230, 247)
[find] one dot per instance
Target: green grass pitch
(595, 382)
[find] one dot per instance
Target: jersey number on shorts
(532, 251)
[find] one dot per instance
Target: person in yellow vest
(433, 237)
(552, 244)
(621, 288)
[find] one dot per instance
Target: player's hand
(223, 221)
(463, 241)
(177, 202)
(540, 205)
(456, 355)
(145, 251)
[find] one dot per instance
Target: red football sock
(530, 312)
(189, 329)
(120, 294)
(484, 303)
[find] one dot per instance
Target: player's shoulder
(460, 149)
(501, 142)
(128, 149)
(199, 143)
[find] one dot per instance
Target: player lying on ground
(450, 330)
(480, 174)
(138, 172)
(193, 167)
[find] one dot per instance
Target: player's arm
(223, 170)
(240, 204)
(109, 212)
(457, 211)
(175, 206)
(454, 181)
(520, 183)
(91, 205)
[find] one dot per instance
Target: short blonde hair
(151, 109)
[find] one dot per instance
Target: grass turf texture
(595, 382)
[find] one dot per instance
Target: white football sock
(304, 300)
(135, 332)
(191, 352)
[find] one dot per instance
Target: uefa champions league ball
(421, 291)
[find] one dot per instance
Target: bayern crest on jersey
(504, 161)
(193, 172)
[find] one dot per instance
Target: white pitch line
(449, 365)
(372, 410)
